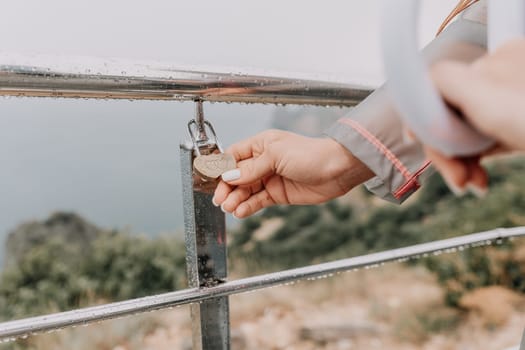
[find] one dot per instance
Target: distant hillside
(65, 262)
(66, 227)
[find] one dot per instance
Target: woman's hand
(490, 94)
(278, 167)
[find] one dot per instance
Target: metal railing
(46, 323)
(45, 76)
(85, 77)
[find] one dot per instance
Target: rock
(327, 334)
(494, 304)
(238, 340)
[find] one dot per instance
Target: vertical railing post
(205, 236)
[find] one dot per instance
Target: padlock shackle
(194, 128)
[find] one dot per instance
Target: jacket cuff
(399, 172)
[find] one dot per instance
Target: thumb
(250, 170)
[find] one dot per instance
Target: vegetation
(64, 262)
(310, 234)
(63, 272)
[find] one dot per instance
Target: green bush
(57, 275)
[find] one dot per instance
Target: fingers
(243, 149)
(254, 163)
(253, 146)
(253, 204)
(242, 201)
(236, 197)
(238, 184)
(478, 179)
(461, 174)
(454, 82)
(221, 193)
(465, 89)
(250, 170)
(454, 172)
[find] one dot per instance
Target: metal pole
(205, 234)
(88, 77)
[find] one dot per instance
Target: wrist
(343, 165)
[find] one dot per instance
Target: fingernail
(231, 175)
(235, 216)
(213, 201)
(222, 208)
(480, 192)
(458, 191)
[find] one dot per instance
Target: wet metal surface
(45, 323)
(88, 77)
(205, 235)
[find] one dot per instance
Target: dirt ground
(393, 307)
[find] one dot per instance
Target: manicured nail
(214, 202)
(231, 175)
(222, 208)
(480, 192)
(235, 216)
(458, 191)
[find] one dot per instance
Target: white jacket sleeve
(374, 133)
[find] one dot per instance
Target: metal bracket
(205, 236)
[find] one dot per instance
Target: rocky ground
(393, 307)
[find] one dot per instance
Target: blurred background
(116, 162)
(90, 207)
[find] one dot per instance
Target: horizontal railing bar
(73, 77)
(87, 315)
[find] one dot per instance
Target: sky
(116, 162)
